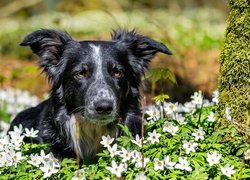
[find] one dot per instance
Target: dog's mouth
(99, 119)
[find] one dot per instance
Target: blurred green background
(192, 29)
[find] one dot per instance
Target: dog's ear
(49, 46)
(142, 47)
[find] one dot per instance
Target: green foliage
(30, 148)
(4, 113)
(162, 75)
(228, 142)
(235, 72)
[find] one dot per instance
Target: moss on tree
(234, 79)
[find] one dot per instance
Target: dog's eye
(81, 74)
(116, 73)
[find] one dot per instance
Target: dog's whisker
(80, 108)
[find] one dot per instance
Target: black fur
(77, 87)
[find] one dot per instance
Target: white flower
(158, 164)
(213, 158)
(180, 119)
(215, 97)
(140, 176)
(154, 113)
(166, 125)
(43, 156)
(125, 166)
(48, 169)
(79, 175)
(170, 108)
(113, 150)
(154, 137)
(227, 170)
(160, 109)
(115, 169)
(49, 158)
(4, 143)
(170, 128)
(17, 131)
(188, 107)
(189, 146)
(197, 98)
(31, 133)
(198, 134)
(207, 103)
(137, 158)
(211, 117)
(16, 100)
(183, 164)
(138, 141)
(135, 155)
(173, 130)
(16, 156)
(16, 145)
(167, 162)
(227, 114)
(125, 154)
(16, 140)
(138, 163)
(247, 154)
(5, 160)
(35, 160)
(106, 141)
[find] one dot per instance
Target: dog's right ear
(48, 45)
(141, 47)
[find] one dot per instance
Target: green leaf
(126, 130)
(68, 161)
(124, 140)
(161, 98)
(158, 73)
(239, 152)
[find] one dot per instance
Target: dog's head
(93, 77)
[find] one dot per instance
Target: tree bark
(234, 78)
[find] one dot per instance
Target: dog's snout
(104, 107)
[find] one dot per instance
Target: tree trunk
(234, 79)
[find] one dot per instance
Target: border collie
(94, 86)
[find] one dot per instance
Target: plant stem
(142, 130)
(201, 110)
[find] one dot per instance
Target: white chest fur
(84, 137)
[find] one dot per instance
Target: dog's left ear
(142, 47)
(48, 45)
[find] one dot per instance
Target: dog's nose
(104, 107)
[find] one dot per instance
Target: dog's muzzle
(100, 105)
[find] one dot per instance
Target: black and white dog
(94, 86)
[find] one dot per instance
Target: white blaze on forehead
(103, 92)
(96, 54)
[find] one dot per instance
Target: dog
(94, 86)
